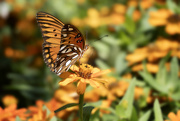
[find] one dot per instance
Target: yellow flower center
(174, 18)
(85, 71)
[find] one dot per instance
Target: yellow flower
(164, 17)
(174, 117)
(85, 74)
(9, 100)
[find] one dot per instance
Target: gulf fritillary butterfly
(63, 43)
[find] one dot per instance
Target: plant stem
(81, 99)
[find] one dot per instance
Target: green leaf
(17, 118)
(161, 76)
(134, 116)
(54, 118)
(47, 110)
(101, 64)
(146, 116)
(120, 63)
(125, 39)
(102, 49)
(174, 70)
(157, 111)
(151, 81)
(109, 117)
(94, 104)
(87, 112)
(172, 6)
(125, 107)
(129, 22)
(66, 106)
(175, 96)
(95, 116)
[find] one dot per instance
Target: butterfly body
(63, 43)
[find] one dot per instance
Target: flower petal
(101, 80)
(172, 116)
(66, 81)
(94, 83)
(81, 87)
(178, 114)
(101, 73)
(74, 68)
(65, 75)
(95, 70)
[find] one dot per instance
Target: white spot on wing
(69, 50)
(75, 48)
(68, 62)
(71, 54)
(62, 48)
(62, 59)
(75, 56)
(70, 29)
(64, 35)
(63, 51)
(64, 29)
(60, 68)
(80, 49)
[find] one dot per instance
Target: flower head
(85, 74)
(174, 117)
(165, 17)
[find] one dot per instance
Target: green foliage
(87, 112)
(165, 82)
(157, 111)
(66, 106)
(125, 107)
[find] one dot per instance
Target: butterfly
(63, 43)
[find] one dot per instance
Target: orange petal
(65, 75)
(172, 28)
(40, 103)
(178, 115)
(81, 87)
(101, 80)
(94, 83)
(11, 107)
(95, 70)
(172, 116)
(67, 81)
(157, 21)
(161, 13)
(101, 73)
(74, 68)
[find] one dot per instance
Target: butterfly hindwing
(67, 56)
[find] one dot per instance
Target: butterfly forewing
(63, 43)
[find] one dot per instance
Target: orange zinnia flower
(174, 117)
(85, 74)
(164, 17)
(10, 113)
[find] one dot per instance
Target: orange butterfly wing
(63, 43)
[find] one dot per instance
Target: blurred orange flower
(85, 74)
(10, 113)
(38, 114)
(9, 99)
(145, 4)
(165, 17)
(174, 117)
(153, 53)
